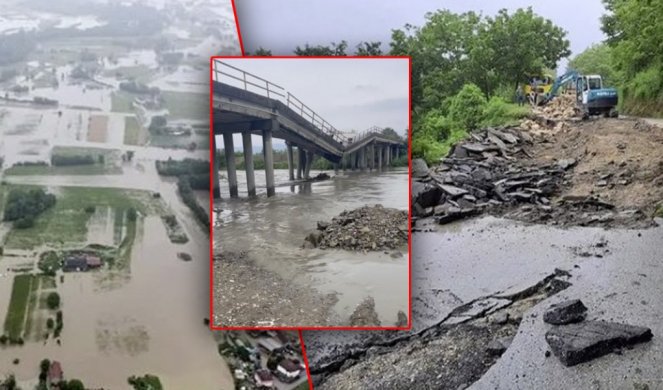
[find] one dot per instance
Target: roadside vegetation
(631, 58)
(192, 175)
(145, 382)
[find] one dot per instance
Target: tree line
(465, 69)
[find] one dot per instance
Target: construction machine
(591, 96)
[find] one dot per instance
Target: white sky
(350, 94)
(284, 24)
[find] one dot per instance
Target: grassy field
(96, 169)
(67, 221)
(186, 105)
(121, 102)
(131, 131)
(32, 305)
(18, 305)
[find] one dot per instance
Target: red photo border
(211, 232)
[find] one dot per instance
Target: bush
(189, 199)
(132, 214)
(467, 107)
(69, 160)
(90, 209)
(24, 223)
(50, 323)
(53, 300)
(499, 113)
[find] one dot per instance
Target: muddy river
(272, 231)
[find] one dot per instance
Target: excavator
(591, 96)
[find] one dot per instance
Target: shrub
(53, 300)
(90, 209)
(466, 109)
(50, 323)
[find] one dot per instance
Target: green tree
(390, 133)
(369, 49)
(53, 300)
(334, 49)
(466, 109)
(73, 384)
(262, 52)
(596, 59)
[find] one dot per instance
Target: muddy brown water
(272, 230)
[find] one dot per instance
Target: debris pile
(579, 341)
(488, 170)
(369, 228)
(561, 107)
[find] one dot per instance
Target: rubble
(578, 343)
(365, 314)
(565, 312)
(488, 171)
(368, 228)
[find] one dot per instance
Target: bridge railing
(246, 80)
(266, 88)
(366, 133)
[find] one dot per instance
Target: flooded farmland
(78, 98)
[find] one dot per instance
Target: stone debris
(499, 346)
(368, 228)
(581, 342)
(485, 172)
(565, 312)
(365, 314)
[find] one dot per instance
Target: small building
(75, 263)
(93, 261)
(240, 374)
(264, 378)
(288, 370)
(269, 345)
(54, 375)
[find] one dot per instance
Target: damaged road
(600, 172)
(480, 290)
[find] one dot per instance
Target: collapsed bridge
(271, 112)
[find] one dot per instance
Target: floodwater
(272, 231)
(137, 328)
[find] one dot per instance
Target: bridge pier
(248, 164)
(301, 159)
(309, 162)
(362, 159)
(290, 162)
(371, 157)
(230, 163)
(380, 154)
(216, 190)
(269, 158)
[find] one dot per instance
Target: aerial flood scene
(310, 223)
(104, 143)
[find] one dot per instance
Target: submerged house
(54, 375)
(75, 263)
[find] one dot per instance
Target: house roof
(264, 375)
(55, 371)
(289, 366)
(269, 344)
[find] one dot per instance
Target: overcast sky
(350, 94)
(282, 25)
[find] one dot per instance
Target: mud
(243, 297)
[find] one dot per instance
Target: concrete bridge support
(230, 163)
(301, 161)
(269, 158)
(248, 164)
(362, 159)
(291, 163)
(380, 155)
(215, 185)
(309, 163)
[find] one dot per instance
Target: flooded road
(272, 231)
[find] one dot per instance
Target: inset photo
(310, 191)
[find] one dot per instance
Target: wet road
(273, 231)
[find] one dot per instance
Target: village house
(288, 370)
(75, 263)
(264, 378)
(269, 345)
(81, 262)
